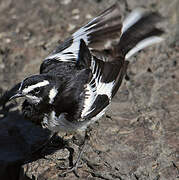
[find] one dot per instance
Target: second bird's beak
(17, 95)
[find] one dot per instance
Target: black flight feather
(84, 56)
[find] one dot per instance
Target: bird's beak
(16, 95)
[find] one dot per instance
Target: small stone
(17, 30)
(8, 40)
(75, 11)
(76, 17)
(2, 35)
(14, 16)
(65, 2)
(2, 66)
(71, 27)
(88, 16)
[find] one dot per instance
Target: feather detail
(105, 26)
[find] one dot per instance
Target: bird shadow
(21, 142)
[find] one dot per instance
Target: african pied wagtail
(77, 82)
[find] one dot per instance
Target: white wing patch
(94, 88)
(105, 88)
(109, 21)
(52, 94)
(63, 57)
(71, 52)
(89, 100)
(32, 87)
(101, 87)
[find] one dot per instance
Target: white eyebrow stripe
(32, 87)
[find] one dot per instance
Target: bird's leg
(74, 166)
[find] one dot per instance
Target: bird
(78, 80)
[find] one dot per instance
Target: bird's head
(36, 88)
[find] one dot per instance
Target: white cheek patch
(33, 99)
(52, 94)
(32, 87)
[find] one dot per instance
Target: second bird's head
(37, 88)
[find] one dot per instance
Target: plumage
(105, 26)
(78, 80)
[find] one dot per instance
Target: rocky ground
(138, 139)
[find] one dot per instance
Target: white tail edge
(143, 44)
(132, 18)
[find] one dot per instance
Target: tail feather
(136, 28)
(139, 31)
(143, 44)
(132, 18)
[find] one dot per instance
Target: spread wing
(102, 28)
(103, 84)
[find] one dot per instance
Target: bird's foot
(73, 169)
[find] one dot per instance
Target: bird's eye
(37, 90)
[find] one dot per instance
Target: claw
(71, 169)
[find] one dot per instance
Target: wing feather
(99, 90)
(107, 23)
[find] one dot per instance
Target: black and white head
(37, 89)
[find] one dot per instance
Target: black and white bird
(77, 82)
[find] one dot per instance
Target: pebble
(2, 66)
(2, 35)
(76, 17)
(7, 40)
(75, 11)
(65, 2)
(88, 16)
(71, 27)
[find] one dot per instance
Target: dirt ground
(138, 139)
